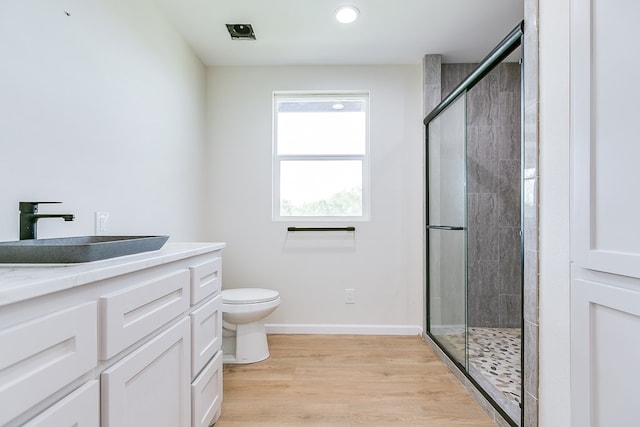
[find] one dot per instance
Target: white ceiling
(305, 32)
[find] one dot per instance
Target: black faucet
(29, 217)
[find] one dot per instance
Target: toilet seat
(248, 295)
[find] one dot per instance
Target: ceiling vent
(241, 31)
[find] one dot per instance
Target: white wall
(103, 110)
(384, 261)
(554, 385)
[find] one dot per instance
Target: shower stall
(474, 223)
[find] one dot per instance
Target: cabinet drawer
(131, 314)
(206, 279)
(150, 386)
(206, 394)
(206, 333)
(39, 357)
(81, 408)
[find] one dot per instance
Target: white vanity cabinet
(131, 341)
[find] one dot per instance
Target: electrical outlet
(101, 219)
(350, 296)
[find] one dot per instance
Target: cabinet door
(150, 387)
(39, 357)
(206, 279)
(206, 394)
(81, 408)
(206, 333)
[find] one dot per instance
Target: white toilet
(244, 339)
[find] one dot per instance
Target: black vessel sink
(76, 249)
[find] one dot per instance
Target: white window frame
(364, 158)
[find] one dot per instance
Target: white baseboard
(336, 329)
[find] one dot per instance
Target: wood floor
(347, 380)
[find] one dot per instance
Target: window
(320, 159)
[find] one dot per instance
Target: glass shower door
(446, 226)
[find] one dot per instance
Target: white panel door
(151, 386)
(605, 246)
(604, 109)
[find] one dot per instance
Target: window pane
(321, 188)
(321, 127)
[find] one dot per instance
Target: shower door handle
(444, 227)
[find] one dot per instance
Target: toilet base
(247, 344)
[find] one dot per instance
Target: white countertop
(19, 282)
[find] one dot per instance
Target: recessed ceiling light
(241, 31)
(347, 14)
(337, 106)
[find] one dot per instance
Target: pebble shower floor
(494, 353)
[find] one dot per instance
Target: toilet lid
(248, 295)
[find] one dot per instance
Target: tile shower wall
(493, 194)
